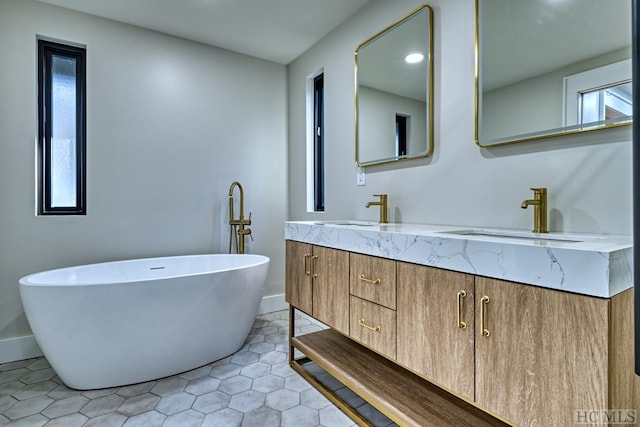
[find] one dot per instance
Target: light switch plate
(360, 177)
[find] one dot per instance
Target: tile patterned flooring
(253, 387)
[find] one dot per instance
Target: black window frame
(318, 143)
(46, 50)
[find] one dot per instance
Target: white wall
(170, 124)
(588, 176)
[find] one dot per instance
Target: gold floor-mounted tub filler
(239, 228)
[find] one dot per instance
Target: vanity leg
(292, 328)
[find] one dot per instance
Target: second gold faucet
(383, 207)
(539, 203)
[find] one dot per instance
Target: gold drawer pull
(461, 324)
(374, 329)
(483, 303)
(370, 281)
(313, 266)
(307, 267)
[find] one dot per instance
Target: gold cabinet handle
(307, 269)
(369, 281)
(313, 266)
(483, 303)
(373, 328)
(461, 324)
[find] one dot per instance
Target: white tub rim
(29, 280)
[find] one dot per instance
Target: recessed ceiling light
(414, 58)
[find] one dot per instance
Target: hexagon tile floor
(253, 387)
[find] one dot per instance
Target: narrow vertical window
(318, 142)
(61, 129)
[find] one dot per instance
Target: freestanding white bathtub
(116, 323)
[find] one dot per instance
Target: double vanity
(446, 325)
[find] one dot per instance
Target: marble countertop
(596, 265)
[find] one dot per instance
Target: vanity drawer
(373, 279)
(373, 325)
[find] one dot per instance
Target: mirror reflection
(394, 92)
(551, 67)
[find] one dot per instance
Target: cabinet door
(545, 356)
(331, 287)
(431, 342)
(298, 289)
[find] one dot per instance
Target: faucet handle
(246, 232)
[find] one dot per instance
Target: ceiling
(526, 38)
(275, 30)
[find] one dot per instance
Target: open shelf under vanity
(400, 395)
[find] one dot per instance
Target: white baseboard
(272, 303)
(26, 347)
(20, 348)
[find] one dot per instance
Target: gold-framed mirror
(547, 68)
(393, 95)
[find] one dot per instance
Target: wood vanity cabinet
(549, 354)
(317, 283)
(436, 326)
(544, 354)
(529, 355)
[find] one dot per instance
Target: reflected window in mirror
(607, 104)
(529, 51)
(598, 95)
(403, 126)
(393, 91)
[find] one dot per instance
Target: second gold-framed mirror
(394, 91)
(547, 68)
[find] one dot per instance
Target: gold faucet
(539, 203)
(383, 207)
(238, 229)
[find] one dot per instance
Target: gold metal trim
(371, 400)
(516, 138)
(369, 281)
(462, 294)
(363, 323)
(329, 394)
(483, 303)
(429, 58)
(292, 326)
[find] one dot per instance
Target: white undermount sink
(525, 235)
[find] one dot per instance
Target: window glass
(61, 124)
